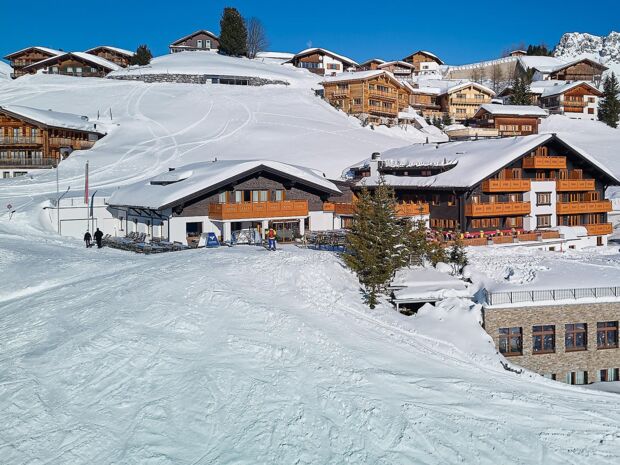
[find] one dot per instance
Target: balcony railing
(248, 210)
(574, 104)
(506, 185)
(540, 162)
(565, 185)
(595, 206)
(21, 140)
(468, 101)
(383, 95)
(412, 209)
(599, 229)
(45, 162)
(76, 144)
(498, 209)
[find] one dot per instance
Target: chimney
(375, 163)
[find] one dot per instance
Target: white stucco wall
(529, 222)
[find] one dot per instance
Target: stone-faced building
(201, 40)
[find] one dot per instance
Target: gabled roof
(512, 110)
(447, 86)
(594, 63)
(428, 54)
(121, 51)
(464, 85)
(49, 118)
(310, 51)
(190, 181)
(189, 36)
(466, 163)
(87, 57)
(541, 63)
(362, 76)
(562, 87)
(372, 60)
(49, 51)
(403, 64)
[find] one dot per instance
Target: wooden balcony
(44, 162)
(575, 208)
(599, 229)
(21, 140)
(76, 144)
(580, 104)
(412, 209)
(544, 163)
(469, 101)
(574, 185)
(382, 95)
(497, 209)
(506, 185)
(258, 210)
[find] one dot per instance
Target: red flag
(86, 185)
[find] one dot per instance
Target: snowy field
(238, 355)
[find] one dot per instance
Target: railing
(44, 162)
(238, 211)
(18, 140)
(469, 101)
(498, 209)
(550, 234)
(506, 185)
(383, 95)
(596, 206)
(412, 209)
(575, 104)
(572, 294)
(563, 185)
(599, 229)
(540, 162)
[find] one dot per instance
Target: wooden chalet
(400, 69)
(376, 96)
(518, 53)
(423, 62)
(27, 56)
(498, 188)
(461, 100)
(114, 54)
(424, 100)
(552, 68)
(322, 62)
(34, 139)
(236, 199)
(201, 40)
(370, 65)
(576, 100)
(509, 120)
(77, 64)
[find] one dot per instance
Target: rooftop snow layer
(427, 284)
(166, 188)
(558, 87)
(122, 51)
(328, 52)
(275, 55)
(542, 63)
(84, 56)
(514, 110)
(51, 51)
(53, 118)
(444, 86)
(358, 75)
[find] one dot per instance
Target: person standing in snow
(87, 239)
(98, 238)
(271, 237)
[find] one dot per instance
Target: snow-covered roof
(372, 60)
(167, 188)
(403, 64)
(554, 87)
(48, 50)
(275, 55)
(429, 54)
(200, 31)
(87, 57)
(342, 58)
(361, 76)
(52, 118)
(513, 110)
(541, 63)
(466, 162)
(122, 51)
(445, 86)
(427, 284)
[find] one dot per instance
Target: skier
(98, 238)
(271, 236)
(87, 239)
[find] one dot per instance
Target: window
(609, 374)
(461, 110)
(343, 87)
(543, 338)
(576, 337)
(259, 196)
(543, 221)
(221, 197)
(436, 199)
(357, 101)
(333, 66)
(199, 43)
(279, 195)
(590, 111)
(526, 127)
(461, 96)
(511, 341)
(543, 198)
(607, 334)
(577, 377)
(451, 200)
(208, 43)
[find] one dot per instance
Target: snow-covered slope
(604, 49)
(5, 71)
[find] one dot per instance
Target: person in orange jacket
(271, 237)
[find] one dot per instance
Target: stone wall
(179, 78)
(561, 362)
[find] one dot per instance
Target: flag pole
(86, 199)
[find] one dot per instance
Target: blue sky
(358, 29)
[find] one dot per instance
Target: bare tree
(478, 74)
(257, 37)
(497, 77)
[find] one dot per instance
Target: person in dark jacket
(98, 238)
(87, 239)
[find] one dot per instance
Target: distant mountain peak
(605, 49)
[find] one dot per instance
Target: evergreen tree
(435, 253)
(414, 234)
(521, 92)
(458, 256)
(609, 105)
(428, 120)
(233, 33)
(539, 50)
(446, 120)
(437, 122)
(142, 56)
(374, 244)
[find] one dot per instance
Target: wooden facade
(371, 65)
(377, 96)
(507, 125)
(19, 60)
(399, 69)
(462, 102)
(73, 64)
(201, 40)
(26, 144)
(582, 70)
(323, 62)
(577, 101)
(423, 62)
(120, 57)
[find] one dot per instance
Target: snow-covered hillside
(604, 49)
(5, 71)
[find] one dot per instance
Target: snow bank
(5, 71)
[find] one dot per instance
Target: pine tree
(142, 56)
(609, 105)
(414, 235)
(435, 253)
(458, 256)
(374, 244)
(521, 92)
(446, 120)
(437, 122)
(233, 33)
